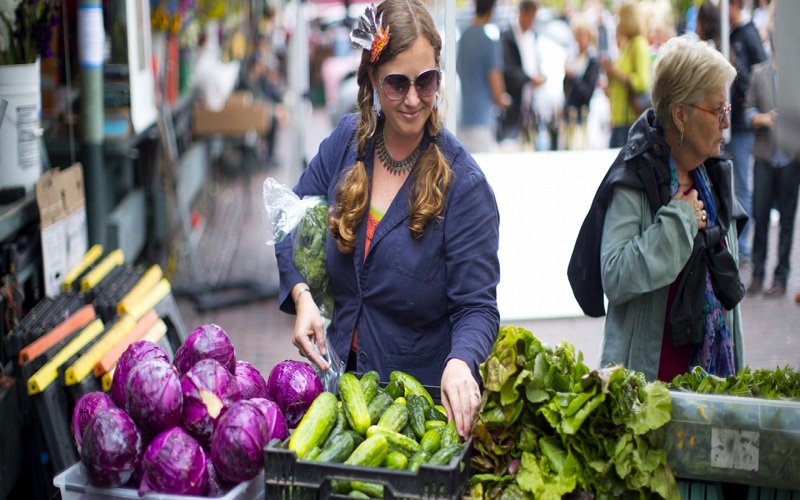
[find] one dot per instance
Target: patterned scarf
(715, 353)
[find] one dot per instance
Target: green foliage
(309, 239)
(550, 426)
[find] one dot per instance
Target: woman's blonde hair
(629, 19)
(686, 70)
(408, 20)
(581, 23)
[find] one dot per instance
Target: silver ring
(704, 216)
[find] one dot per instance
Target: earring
(436, 102)
(680, 140)
(376, 102)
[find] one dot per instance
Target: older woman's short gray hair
(687, 69)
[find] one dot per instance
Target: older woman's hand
(307, 329)
(461, 396)
(697, 206)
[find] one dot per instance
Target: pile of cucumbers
(397, 426)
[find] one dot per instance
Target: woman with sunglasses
(660, 239)
(414, 226)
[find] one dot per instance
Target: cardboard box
(240, 115)
(62, 215)
(734, 439)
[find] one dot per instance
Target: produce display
(184, 427)
(549, 426)
(750, 438)
(780, 383)
(395, 426)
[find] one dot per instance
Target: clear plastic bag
(329, 377)
(306, 220)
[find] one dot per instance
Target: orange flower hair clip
(370, 34)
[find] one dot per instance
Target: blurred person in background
(707, 27)
(411, 252)
(659, 24)
(581, 69)
(660, 239)
(264, 80)
(479, 63)
(776, 177)
(746, 51)
(629, 75)
(522, 70)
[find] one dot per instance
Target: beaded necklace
(397, 167)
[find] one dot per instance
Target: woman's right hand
(308, 329)
(697, 206)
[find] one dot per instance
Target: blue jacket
(416, 303)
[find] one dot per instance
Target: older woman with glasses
(414, 226)
(660, 239)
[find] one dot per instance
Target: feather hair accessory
(370, 34)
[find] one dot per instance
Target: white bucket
(20, 161)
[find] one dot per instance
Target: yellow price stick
(151, 299)
(85, 364)
(145, 284)
(93, 277)
(49, 372)
(89, 258)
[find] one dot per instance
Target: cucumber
(406, 431)
(416, 413)
(316, 424)
(450, 435)
(370, 453)
(445, 454)
(417, 459)
(433, 413)
(369, 386)
(354, 403)
(411, 385)
(341, 420)
(395, 460)
(394, 418)
(313, 453)
(358, 494)
(395, 440)
(437, 425)
(396, 389)
(372, 490)
(379, 404)
(357, 438)
(431, 441)
(337, 448)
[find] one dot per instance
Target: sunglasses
(395, 85)
(721, 115)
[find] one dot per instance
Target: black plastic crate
(287, 478)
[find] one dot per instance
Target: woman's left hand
(461, 396)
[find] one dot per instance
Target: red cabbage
(153, 396)
(174, 462)
(133, 355)
(238, 442)
(251, 383)
(87, 407)
(112, 448)
(209, 389)
(276, 424)
(293, 385)
(207, 341)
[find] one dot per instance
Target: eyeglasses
(721, 115)
(395, 86)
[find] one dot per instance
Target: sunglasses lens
(395, 86)
(427, 83)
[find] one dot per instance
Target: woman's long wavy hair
(408, 20)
